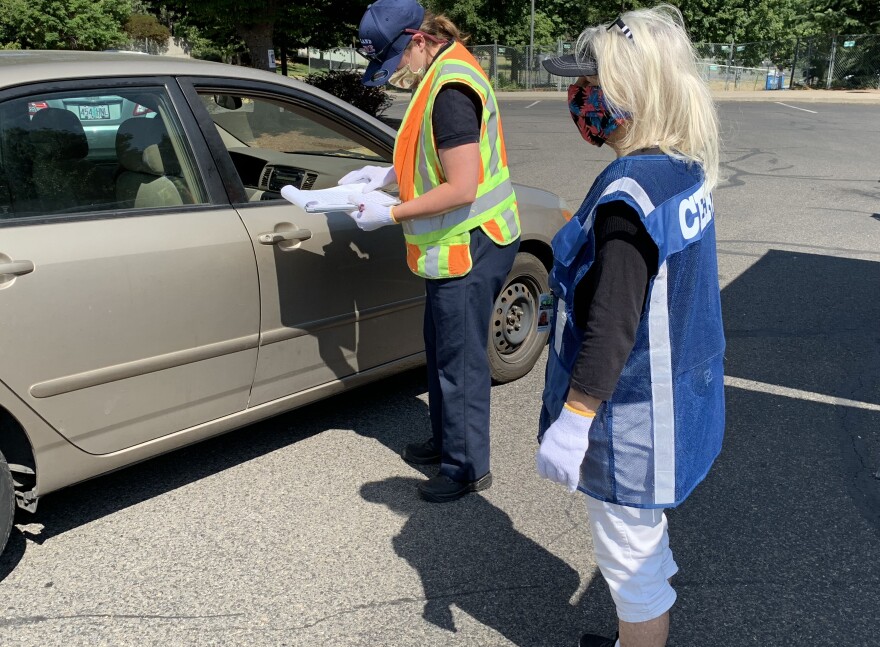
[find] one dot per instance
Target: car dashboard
(263, 172)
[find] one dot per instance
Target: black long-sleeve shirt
(609, 300)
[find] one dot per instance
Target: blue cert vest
(658, 435)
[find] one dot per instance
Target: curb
(865, 97)
(800, 96)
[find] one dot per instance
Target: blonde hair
(441, 27)
(652, 77)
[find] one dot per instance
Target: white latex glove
(370, 216)
(375, 176)
(563, 448)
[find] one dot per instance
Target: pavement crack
(573, 520)
(30, 620)
(451, 596)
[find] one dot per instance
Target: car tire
(514, 341)
(7, 502)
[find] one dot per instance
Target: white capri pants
(632, 551)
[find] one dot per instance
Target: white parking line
(796, 108)
(532, 104)
(797, 394)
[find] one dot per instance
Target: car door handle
(16, 267)
(275, 237)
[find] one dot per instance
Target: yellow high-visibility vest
(439, 246)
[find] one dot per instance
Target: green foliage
(842, 16)
(264, 24)
(146, 27)
(225, 29)
(716, 21)
(322, 24)
(231, 21)
(487, 21)
(207, 45)
(64, 24)
(346, 85)
(505, 83)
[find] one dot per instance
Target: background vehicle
(159, 292)
(100, 117)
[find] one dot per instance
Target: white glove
(563, 448)
(375, 176)
(370, 216)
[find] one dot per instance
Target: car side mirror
(227, 101)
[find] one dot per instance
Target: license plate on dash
(90, 113)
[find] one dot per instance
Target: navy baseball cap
(385, 30)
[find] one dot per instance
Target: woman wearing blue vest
(633, 404)
(460, 223)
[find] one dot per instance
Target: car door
(335, 301)
(129, 296)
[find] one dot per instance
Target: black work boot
(441, 488)
(592, 640)
(422, 453)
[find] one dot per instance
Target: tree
(253, 22)
(147, 28)
(487, 21)
(322, 24)
(64, 24)
(260, 24)
(843, 16)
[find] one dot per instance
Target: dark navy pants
(457, 314)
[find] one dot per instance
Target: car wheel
(7, 502)
(514, 341)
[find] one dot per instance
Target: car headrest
(57, 133)
(143, 146)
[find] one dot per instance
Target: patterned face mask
(405, 78)
(591, 114)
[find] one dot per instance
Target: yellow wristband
(580, 412)
(391, 213)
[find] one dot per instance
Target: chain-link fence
(830, 63)
(744, 66)
(518, 68)
(343, 58)
(146, 46)
(839, 62)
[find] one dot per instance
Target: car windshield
(259, 123)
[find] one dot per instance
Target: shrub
(346, 85)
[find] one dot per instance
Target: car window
(76, 152)
(274, 142)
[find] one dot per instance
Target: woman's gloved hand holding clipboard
(336, 198)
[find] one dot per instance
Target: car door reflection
(364, 307)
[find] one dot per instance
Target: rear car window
(77, 152)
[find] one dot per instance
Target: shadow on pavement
(468, 554)
(781, 544)
(397, 417)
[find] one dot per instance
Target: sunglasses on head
(380, 56)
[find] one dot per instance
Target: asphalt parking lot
(306, 529)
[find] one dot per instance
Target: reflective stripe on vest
(438, 247)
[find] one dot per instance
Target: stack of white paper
(338, 198)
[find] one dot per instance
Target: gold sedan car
(156, 290)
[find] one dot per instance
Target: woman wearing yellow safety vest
(460, 221)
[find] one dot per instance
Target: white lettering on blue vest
(695, 212)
